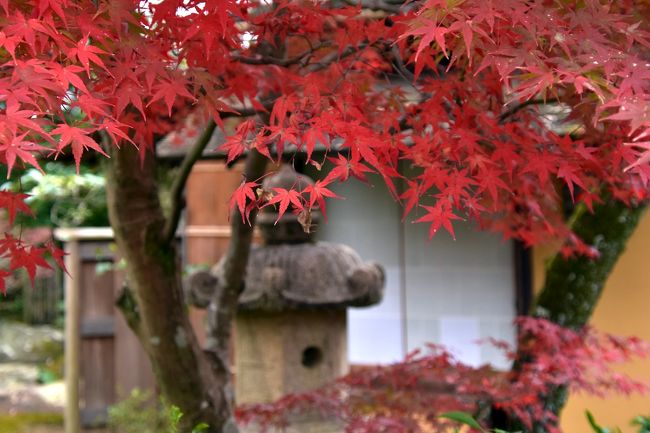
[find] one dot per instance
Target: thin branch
(194, 154)
(260, 59)
(517, 108)
(332, 57)
(178, 186)
(376, 5)
(399, 66)
(302, 58)
(267, 105)
(234, 263)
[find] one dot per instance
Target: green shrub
(51, 368)
(643, 422)
(141, 413)
(62, 198)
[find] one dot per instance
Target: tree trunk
(154, 302)
(573, 286)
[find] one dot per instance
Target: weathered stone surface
(286, 352)
(13, 375)
(308, 275)
(23, 343)
(290, 331)
(291, 271)
(297, 276)
(19, 391)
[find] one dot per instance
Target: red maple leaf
(14, 203)
(85, 52)
(317, 193)
(29, 258)
(440, 215)
(17, 147)
(285, 197)
(78, 139)
(240, 197)
(168, 91)
(570, 176)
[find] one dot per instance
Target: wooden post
(103, 358)
(72, 341)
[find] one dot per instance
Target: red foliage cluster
(17, 253)
(410, 395)
(438, 97)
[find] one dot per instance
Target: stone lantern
(291, 327)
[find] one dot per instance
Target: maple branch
(517, 108)
(376, 5)
(190, 159)
(333, 57)
(260, 59)
(178, 186)
(312, 67)
(399, 66)
(234, 262)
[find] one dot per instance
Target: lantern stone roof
(320, 275)
(309, 275)
(291, 270)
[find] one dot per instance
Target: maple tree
(410, 396)
(464, 96)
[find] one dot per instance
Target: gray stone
(318, 275)
(290, 332)
(23, 343)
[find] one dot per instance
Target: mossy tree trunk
(194, 380)
(573, 286)
(157, 312)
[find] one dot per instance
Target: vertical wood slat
(104, 360)
(41, 298)
(207, 230)
(97, 349)
(208, 192)
(71, 354)
(132, 367)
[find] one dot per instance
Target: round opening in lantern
(311, 356)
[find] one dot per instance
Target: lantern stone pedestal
(291, 327)
(279, 353)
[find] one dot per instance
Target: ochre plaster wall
(624, 309)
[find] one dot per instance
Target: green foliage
(12, 305)
(642, 421)
(140, 413)
(51, 369)
(597, 428)
(24, 422)
(462, 418)
(61, 198)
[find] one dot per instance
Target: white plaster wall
(455, 292)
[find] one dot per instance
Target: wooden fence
(41, 300)
(103, 358)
